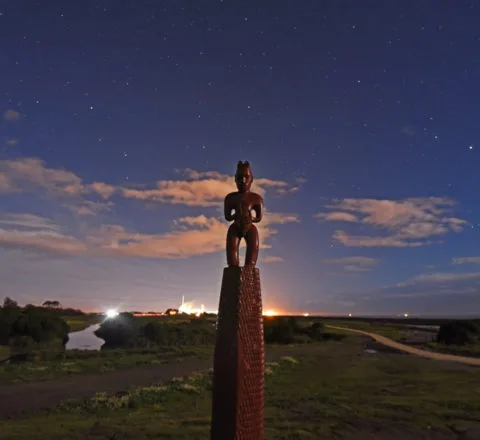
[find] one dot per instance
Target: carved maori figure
(238, 207)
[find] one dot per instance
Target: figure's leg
(252, 246)
(233, 242)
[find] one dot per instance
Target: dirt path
(23, 399)
(412, 350)
(18, 400)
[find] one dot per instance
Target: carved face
(243, 177)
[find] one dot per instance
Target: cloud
(271, 259)
(365, 241)
(354, 264)
(103, 189)
(33, 233)
(438, 293)
(31, 173)
(466, 260)
(439, 277)
(337, 216)
(405, 223)
(11, 115)
(190, 235)
(195, 235)
(88, 208)
(29, 221)
(5, 184)
(202, 189)
(204, 236)
(408, 130)
(12, 142)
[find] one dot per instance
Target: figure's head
(243, 176)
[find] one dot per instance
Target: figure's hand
(258, 213)
(229, 216)
(227, 209)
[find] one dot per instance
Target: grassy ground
(332, 390)
(398, 332)
(459, 350)
(80, 322)
(392, 331)
(91, 361)
(4, 352)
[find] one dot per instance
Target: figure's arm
(228, 210)
(258, 211)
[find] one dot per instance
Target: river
(85, 339)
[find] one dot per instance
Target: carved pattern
(238, 382)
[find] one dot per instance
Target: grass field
(80, 322)
(458, 350)
(5, 351)
(398, 332)
(329, 390)
(392, 331)
(91, 361)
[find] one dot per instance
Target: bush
(282, 330)
(196, 332)
(464, 332)
(120, 331)
(31, 329)
(316, 331)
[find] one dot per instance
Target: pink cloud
(31, 172)
(271, 259)
(206, 189)
(11, 115)
(88, 208)
(6, 185)
(365, 241)
(191, 235)
(354, 264)
(43, 243)
(337, 216)
(103, 189)
(407, 222)
(198, 235)
(200, 189)
(12, 142)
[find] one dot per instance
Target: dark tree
(459, 332)
(9, 303)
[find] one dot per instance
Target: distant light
(406, 315)
(306, 314)
(111, 313)
(270, 313)
(349, 315)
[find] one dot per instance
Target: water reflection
(85, 339)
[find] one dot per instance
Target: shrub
(196, 332)
(32, 329)
(280, 330)
(316, 331)
(120, 331)
(459, 332)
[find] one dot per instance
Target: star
(470, 147)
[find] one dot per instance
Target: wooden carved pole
(238, 369)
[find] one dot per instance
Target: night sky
(121, 123)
